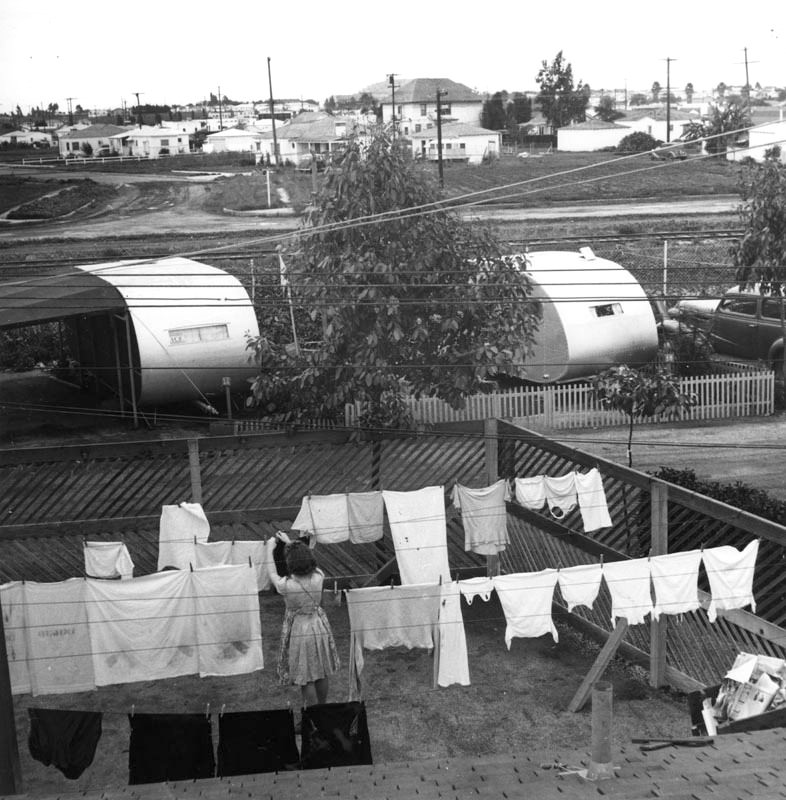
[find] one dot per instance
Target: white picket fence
(743, 394)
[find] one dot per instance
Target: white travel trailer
(152, 332)
(595, 315)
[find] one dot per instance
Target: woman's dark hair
(300, 560)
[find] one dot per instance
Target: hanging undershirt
(250, 742)
(58, 636)
(228, 626)
(211, 554)
(366, 511)
(530, 492)
(325, 516)
(526, 599)
(142, 629)
(484, 517)
(471, 588)
(580, 584)
(254, 550)
(170, 747)
(65, 739)
(382, 617)
(108, 560)
(561, 494)
(453, 662)
(730, 573)
(675, 578)
(629, 584)
(419, 530)
(179, 527)
(12, 599)
(592, 500)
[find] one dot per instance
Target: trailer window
(607, 310)
(201, 333)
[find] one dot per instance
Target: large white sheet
(228, 626)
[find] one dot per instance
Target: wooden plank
(659, 540)
(607, 652)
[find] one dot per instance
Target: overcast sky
(180, 52)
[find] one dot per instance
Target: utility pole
(392, 83)
(70, 110)
(440, 95)
(272, 113)
(139, 120)
(220, 113)
(668, 98)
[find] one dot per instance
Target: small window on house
(201, 333)
(423, 110)
(406, 130)
(462, 146)
(165, 143)
(398, 111)
(418, 127)
(448, 146)
(429, 125)
(607, 310)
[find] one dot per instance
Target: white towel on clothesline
(108, 560)
(730, 573)
(530, 492)
(629, 584)
(592, 500)
(179, 528)
(675, 579)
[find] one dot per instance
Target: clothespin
(191, 566)
(195, 540)
(391, 583)
(440, 580)
(601, 559)
(249, 562)
(133, 707)
(649, 555)
(221, 713)
(207, 711)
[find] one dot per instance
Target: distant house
(27, 138)
(594, 134)
(151, 141)
(653, 122)
(97, 139)
(235, 140)
(416, 105)
(537, 126)
(307, 134)
(762, 138)
(460, 142)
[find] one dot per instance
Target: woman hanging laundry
(308, 654)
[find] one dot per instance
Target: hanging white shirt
(484, 516)
(179, 528)
(580, 584)
(58, 636)
(592, 500)
(530, 492)
(419, 531)
(471, 588)
(629, 584)
(526, 599)
(453, 662)
(730, 573)
(108, 560)
(561, 494)
(326, 516)
(229, 635)
(143, 629)
(675, 579)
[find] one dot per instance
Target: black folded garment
(335, 735)
(257, 741)
(65, 739)
(170, 747)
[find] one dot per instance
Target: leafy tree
(330, 104)
(560, 100)
(638, 100)
(689, 92)
(418, 301)
(637, 142)
(656, 89)
(640, 394)
(722, 119)
(492, 115)
(519, 109)
(87, 149)
(607, 109)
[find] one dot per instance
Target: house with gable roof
(312, 133)
(416, 105)
(27, 137)
(461, 142)
(100, 139)
(592, 134)
(151, 141)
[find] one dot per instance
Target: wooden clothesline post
(659, 543)
(491, 453)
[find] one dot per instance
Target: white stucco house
(461, 142)
(762, 138)
(99, 139)
(235, 140)
(151, 141)
(416, 105)
(26, 137)
(591, 135)
(312, 132)
(653, 122)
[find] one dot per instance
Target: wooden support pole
(193, 466)
(491, 450)
(598, 668)
(659, 538)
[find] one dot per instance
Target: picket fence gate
(564, 406)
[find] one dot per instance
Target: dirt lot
(516, 702)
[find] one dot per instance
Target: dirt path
(751, 451)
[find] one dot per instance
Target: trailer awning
(56, 294)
